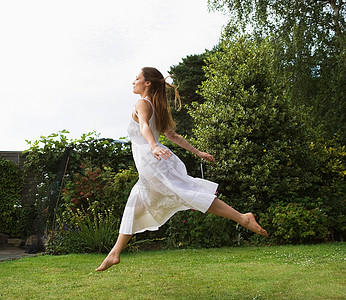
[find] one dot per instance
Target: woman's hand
(161, 152)
(206, 156)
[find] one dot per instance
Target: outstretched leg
(220, 208)
(113, 256)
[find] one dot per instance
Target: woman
(163, 187)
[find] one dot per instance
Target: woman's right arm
(144, 114)
(180, 141)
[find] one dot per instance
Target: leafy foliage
(188, 75)
(89, 229)
(12, 211)
(294, 224)
(310, 47)
(51, 157)
(193, 229)
(333, 188)
(261, 142)
(45, 155)
(93, 203)
(90, 183)
(191, 161)
(266, 148)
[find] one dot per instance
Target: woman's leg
(220, 208)
(113, 256)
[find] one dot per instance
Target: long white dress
(163, 187)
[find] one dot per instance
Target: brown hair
(158, 95)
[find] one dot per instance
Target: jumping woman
(163, 187)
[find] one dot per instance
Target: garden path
(8, 252)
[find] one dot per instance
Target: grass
(275, 272)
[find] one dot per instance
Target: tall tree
(311, 49)
(262, 143)
(280, 16)
(188, 74)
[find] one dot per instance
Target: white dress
(163, 187)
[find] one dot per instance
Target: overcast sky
(70, 64)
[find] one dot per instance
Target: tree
(279, 15)
(189, 75)
(262, 143)
(311, 50)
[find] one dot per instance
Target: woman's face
(140, 86)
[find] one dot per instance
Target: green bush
(93, 203)
(191, 161)
(123, 182)
(192, 228)
(89, 184)
(294, 224)
(85, 230)
(44, 156)
(12, 210)
(45, 163)
(333, 170)
(261, 142)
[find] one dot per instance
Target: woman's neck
(145, 95)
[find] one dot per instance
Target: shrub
(293, 224)
(260, 140)
(123, 182)
(88, 229)
(194, 229)
(333, 170)
(191, 161)
(93, 203)
(12, 211)
(47, 158)
(89, 184)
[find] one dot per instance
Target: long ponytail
(164, 119)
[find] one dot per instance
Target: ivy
(11, 206)
(54, 158)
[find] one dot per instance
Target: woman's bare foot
(109, 261)
(251, 224)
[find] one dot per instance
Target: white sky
(70, 64)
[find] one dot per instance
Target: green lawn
(280, 272)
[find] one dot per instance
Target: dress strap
(146, 99)
(152, 106)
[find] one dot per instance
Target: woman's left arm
(180, 141)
